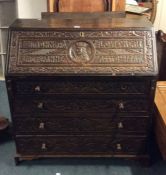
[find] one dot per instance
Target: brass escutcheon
(118, 146)
(40, 105)
(41, 125)
(121, 105)
(82, 34)
(120, 125)
(37, 88)
(43, 147)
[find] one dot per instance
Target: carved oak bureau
(81, 87)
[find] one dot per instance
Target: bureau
(81, 87)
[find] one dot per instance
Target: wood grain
(160, 124)
(82, 6)
(85, 5)
(118, 5)
(103, 92)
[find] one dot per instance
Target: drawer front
(80, 87)
(77, 145)
(78, 105)
(81, 125)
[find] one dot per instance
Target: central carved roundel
(81, 51)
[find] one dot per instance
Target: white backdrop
(31, 8)
(160, 22)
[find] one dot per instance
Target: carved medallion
(109, 52)
(81, 52)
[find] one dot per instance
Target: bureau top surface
(90, 45)
(82, 20)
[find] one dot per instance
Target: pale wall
(31, 8)
(160, 22)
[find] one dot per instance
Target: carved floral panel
(108, 52)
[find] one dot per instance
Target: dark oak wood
(95, 15)
(89, 124)
(83, 91)
(89, 21)
(80, 145)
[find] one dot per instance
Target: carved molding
(80, 144)
(77, 87)
(60, 105)
(77, 124)
(109, 52)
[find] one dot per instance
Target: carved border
(147, 67)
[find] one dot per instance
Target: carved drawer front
(77, 145)
(81, 87)
(81, 125)
(79, 105)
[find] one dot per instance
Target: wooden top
(82, 20)
(160, 100)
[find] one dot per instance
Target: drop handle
(120, 125)
(118, 146)
(40, 105)
(121, 105)
(41, 125)
(43, 147)
(37, 89)
(123, 87)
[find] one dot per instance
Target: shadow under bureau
(81, 88)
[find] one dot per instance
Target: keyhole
(82, 34)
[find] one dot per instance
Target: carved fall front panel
(108, 52)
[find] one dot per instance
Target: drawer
(80, 145)
(80, 87)
(139, 125)
(74, 105)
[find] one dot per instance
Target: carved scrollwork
(70, 125)
(80, 144)
(77, 87)
(114, 52)
(82, 105)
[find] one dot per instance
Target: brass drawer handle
(123, 87)
(118, 146)
(40, 105)
(121, 105)
(37, 89)
(43, 147)
(41, 125)
(120, 125)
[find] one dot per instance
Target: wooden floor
(160, 117)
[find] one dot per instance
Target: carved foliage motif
(81, 105)
(73, 145)
(110, 52)
(68, 125)
(85, 87)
